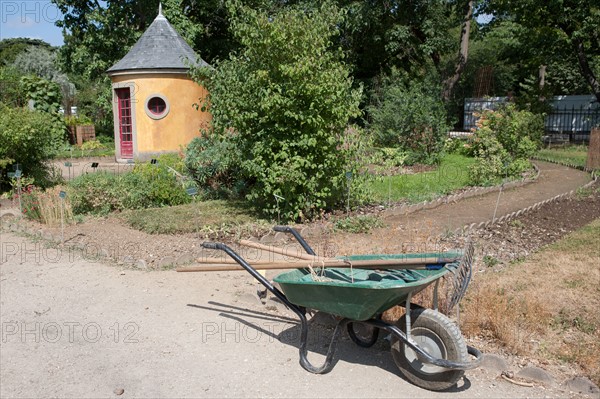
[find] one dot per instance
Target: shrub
(410, 116)
(214, 163)
(45, 205)
(146, 186)
(91, 145)
(503, 143)
(29, 138)
(460, 146)
(288, 97)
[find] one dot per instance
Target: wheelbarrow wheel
(364, 331)
(439, 337)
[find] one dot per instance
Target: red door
(125, 122)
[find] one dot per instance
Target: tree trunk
(463, 54)
(586, 71)
(542, 82)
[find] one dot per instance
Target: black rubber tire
(358, 340)
(434, 332)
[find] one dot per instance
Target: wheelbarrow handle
(297, 236)
(210, 245)
(253, 273)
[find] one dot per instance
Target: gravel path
(74, 328)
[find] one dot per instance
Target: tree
(11, 48)
(28, 138)
(287, 97)
(574, 21)
(42, 63)
(461, 63)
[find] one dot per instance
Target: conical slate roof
(160, 47)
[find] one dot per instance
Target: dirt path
(405, 231)
(74, 328)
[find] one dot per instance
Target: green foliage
(458, 145)
(46, 95)
(94, 100)
(390, 157)
(288, 97)
(29, 138)
(411, 117)
(557, 29)
(360, 224)
(91, 145)
(503, 143)
(145, 187)
(80, 119)
(11, 48)
(214, 163)
(11, 91)
(42, 62)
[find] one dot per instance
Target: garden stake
(277, 198)
(348, 179)
(62, 196)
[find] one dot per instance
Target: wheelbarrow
(427, 346)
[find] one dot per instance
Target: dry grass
(45, 206)
(544, 307)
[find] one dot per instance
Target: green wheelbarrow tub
(358, 294)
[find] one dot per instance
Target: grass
(546, 306)
(576, 154)
(452, 174)
(210, 218)
(78, 153)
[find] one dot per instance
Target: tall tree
(574, 21)
(286, 98)
(461, 63)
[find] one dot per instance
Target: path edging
(512, 215)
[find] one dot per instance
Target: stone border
(505, 218)
(473, 192)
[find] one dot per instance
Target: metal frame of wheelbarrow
(378, 324)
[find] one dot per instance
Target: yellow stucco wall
(178, 127)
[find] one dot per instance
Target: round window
(157, 106)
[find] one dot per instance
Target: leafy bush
(391, 156)
(91, 145)
(29, 138)
(288, 97)
(504, 142)
(214, 163)
(410, 116)
(12, 91)
(74, 120)
(45, 205)
(460, 146)
(146, 186)
(45, 94)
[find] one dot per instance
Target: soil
(417, 231)
(167, 334)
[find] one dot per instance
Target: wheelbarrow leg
(300, 312)
(328, 364)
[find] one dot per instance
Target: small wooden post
(593, 158)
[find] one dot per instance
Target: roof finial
(160, 9)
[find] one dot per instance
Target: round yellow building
(153, 96)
